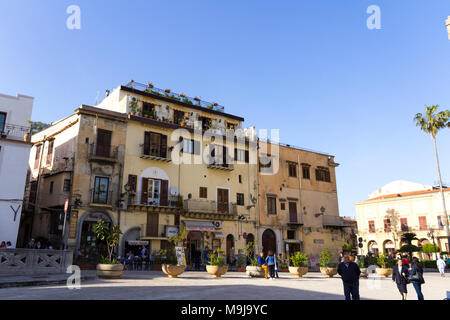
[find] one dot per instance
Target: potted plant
(362, 267)
(299, 264)
(217, 266)
(167, 90)
(150, 85)
(108, 267)
(170, 265)
(327, 267)
(133, 106)
(385, 265)
(241, 262)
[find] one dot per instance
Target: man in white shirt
(441, 266)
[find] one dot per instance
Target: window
(291, 234)
(103, 143)
(2, 121)
(178, 116)
(423, 223)
(50, 152)
(292, 211)
(404, 224)
(241, 155)
(240, 199)
(66, 186)
(203, 192)
(323, 174)
(282, 205)
(101, 188)
(305, 171)
(190, 146)
(372, 226)
(155, 144)
(51, 186)
(155, 192)
(292, 170)
(148, 109)
(37, 156)
(271, 205)
(206, 122)
(387, 225)
(240, 178)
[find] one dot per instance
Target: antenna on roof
(96, 98)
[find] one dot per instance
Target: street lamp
(431, 234)
(447, 23)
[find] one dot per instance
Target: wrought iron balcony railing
(175, 96)
(209, 206)
(95, 152)
(101, 197)
(15, 132)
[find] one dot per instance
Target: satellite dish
(174, 191)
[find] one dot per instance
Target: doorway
(269, 241)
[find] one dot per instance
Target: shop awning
(137, 243)
(219, 235)
(199, 225)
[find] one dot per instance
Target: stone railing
(34, 261)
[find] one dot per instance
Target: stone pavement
(37, 280)
(234, 285)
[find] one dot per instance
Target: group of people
(37, 245)
(6, 245)
(269, 264)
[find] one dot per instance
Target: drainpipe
(36, 206)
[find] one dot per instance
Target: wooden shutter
(132, 182)
(163, 149)
(152, 225)
(423, 223)
(103, 143)
(50, 151)
(38, 154)
(144, 194)
(147, 143)
(164, 197)
(247, 156)
(292, 211)
(224, 156)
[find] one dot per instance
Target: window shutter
(164, 197)
(144, 195)
(247, 156)
(147, 143)
(132, 182)
(103, 143)
(235, 154)
(163, 146)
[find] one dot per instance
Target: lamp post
(431, 234)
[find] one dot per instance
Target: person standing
(270, 260)
(3, 245)
(262, 263)
(399, 276)
(416, 277)
(440, 263)
(349, 272)
(31, 244)
(8, 245)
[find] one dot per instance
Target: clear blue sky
(311, 68)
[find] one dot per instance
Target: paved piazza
(200, 285)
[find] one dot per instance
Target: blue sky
(310, 68)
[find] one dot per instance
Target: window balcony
(104, 154)
(16, 132)
(158, 155)
(101, 198)
(220, 165)
(209, 207)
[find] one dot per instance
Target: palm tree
(408, 238)
(431, 124)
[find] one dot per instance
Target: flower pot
(298, 271)
(172, 271)
(109, 271)
(255, 272)
(364, 273)
(26, 137)
(216, 271)
(328, 272)
(385, 272)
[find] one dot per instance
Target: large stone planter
(109, 271)
(385, 272)
(216, 271)
(364, 273)
(255, 272)
(298, 271)
(172, 271)
(328, 272)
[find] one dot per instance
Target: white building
(14, 153)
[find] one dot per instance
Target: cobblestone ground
(200, 285)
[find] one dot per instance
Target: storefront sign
(199, 226)
(181, 258)
(137, 242)
(171, 231)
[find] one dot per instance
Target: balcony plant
(327, 267)
(150, 85)
(108, 267)
(385, 265)
(133, 106)
(299, 265)
(217, 266)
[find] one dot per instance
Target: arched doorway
(372, 247)
(194, 248)
(388, 247)
(230, 247)
(269, 241)
(89, 247)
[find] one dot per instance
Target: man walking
(349, 272)
(441, 266)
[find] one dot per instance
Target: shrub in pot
(385, 265)
(362, 267)
(217, 266)
(299, 265)
(109, 267)
(170, 264)
(327, 267)
(254, 270)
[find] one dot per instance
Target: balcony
(16, 132)
(103, 154)
(175, 203)
(332, 221)
(220, 166)
(203, 208)
(159, 156)
(101, 198)
(294, 220)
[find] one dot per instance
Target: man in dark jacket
(349, 272)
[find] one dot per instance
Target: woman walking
(399, 274)
(270, 260)
(416, 277)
